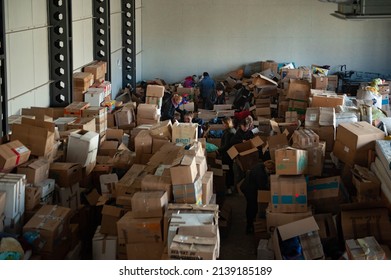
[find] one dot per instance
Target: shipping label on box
(288, 193)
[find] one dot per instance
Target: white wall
(139, 48)
(116, 46)
(182, 37)
(27, 54)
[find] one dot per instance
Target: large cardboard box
(367, 184)
(306, 230)
(354, 140)
(65, 174)
(195, 243)
(83, 80)
(360, 220)
(325, 194)
(288, 194)
(319, 82)
(52, 224)
(13, 154)
(366, 248)
(184, 170)
(291, 161)
(35, 170)
(157, 183)
(155, 91)
(325, 100)
(110, 216)
(184, 133)
(104, 247)
(98, 69)
(36, 135)
(143, 143)
(151, 201)
(275, 219)
(246, 153)
(2, 202)
(188, 193)
(95, 96)
(147, 111)
(83, 147)
(299, 90)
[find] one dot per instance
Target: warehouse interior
(93, 167)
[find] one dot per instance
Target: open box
(246, 153)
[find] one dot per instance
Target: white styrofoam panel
(87, 8)
(40, 16)
(20, 62)
(24, 101)
(138, 30)
(41, 56)
(115, 36)
(19, 14)
(42, 96)
(78, 44)
(115, 6)
(139, 67)
(116, 72)
(138, 3)
(77, 10)
(88, 41)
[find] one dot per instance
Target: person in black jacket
(229, 132)
(256, 179)
(169, 106)
(220, 94)
(244, 132)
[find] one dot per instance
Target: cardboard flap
(111, 211)
(38, 164)
(297, 228)
(232, 152)
(256, 141)
(48, 125)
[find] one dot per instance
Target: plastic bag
(210, 148)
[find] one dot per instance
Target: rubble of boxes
(110, 179)
(329, 188)
(139, 189)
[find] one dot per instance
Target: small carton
(107, 183)
(75, 109)
(325, 194)
(108, 148)
(151, 201)
(65, 174)
(13, 154)
(83, 147)
(319, 82)
(367, 184)
(327, 100)
(83, 80)
(98, 69)
(155, 91)
(291, 161)
(95, 96)
(305, 233)
(188, 193)
(184, 170)
(275, 219)
(110, 216)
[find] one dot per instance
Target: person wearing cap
(207, 89)
(170, 106)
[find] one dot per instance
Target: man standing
(207, 88)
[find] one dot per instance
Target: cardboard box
(147, 111)
(143, 143)
(14, 187)
(246, 153)
(83, 147)
(136, 230)
(83, 80)
(366, 248)
(316, 157)
(320, 116)
(184, 170)
(95, 96)
(325, 194)
(207, 187)
(275, 142)
(365, 219)
(65, 174)
(367, 184)
(327, 100)
(184, 133)
(110, 216)
(155, 91)
(107, 183)
(327, 134)
(46, 189)
(305, 138)
(151, 201)
(188, 193)
(123, 159)
(124, 117)
(2, 202)
(327, 227)
(104, 247)
(332, 84)
(288, 194)
(144, 251)
(69, 197)
(114, 134)
(157, 183)
(291, 161)
(75, 109)
(87, 124)
(13, 154)
(354, 140)
(157, 144)
(158, 101)
(98, 69)
(36, 135)
(108, 148)
(163, 130)
(195, 243)
(306, 230)
(52, 224)
(319, 82)
(275, 219)
(299, 90)
(35, 170)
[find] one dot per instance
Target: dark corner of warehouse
(195, 130)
